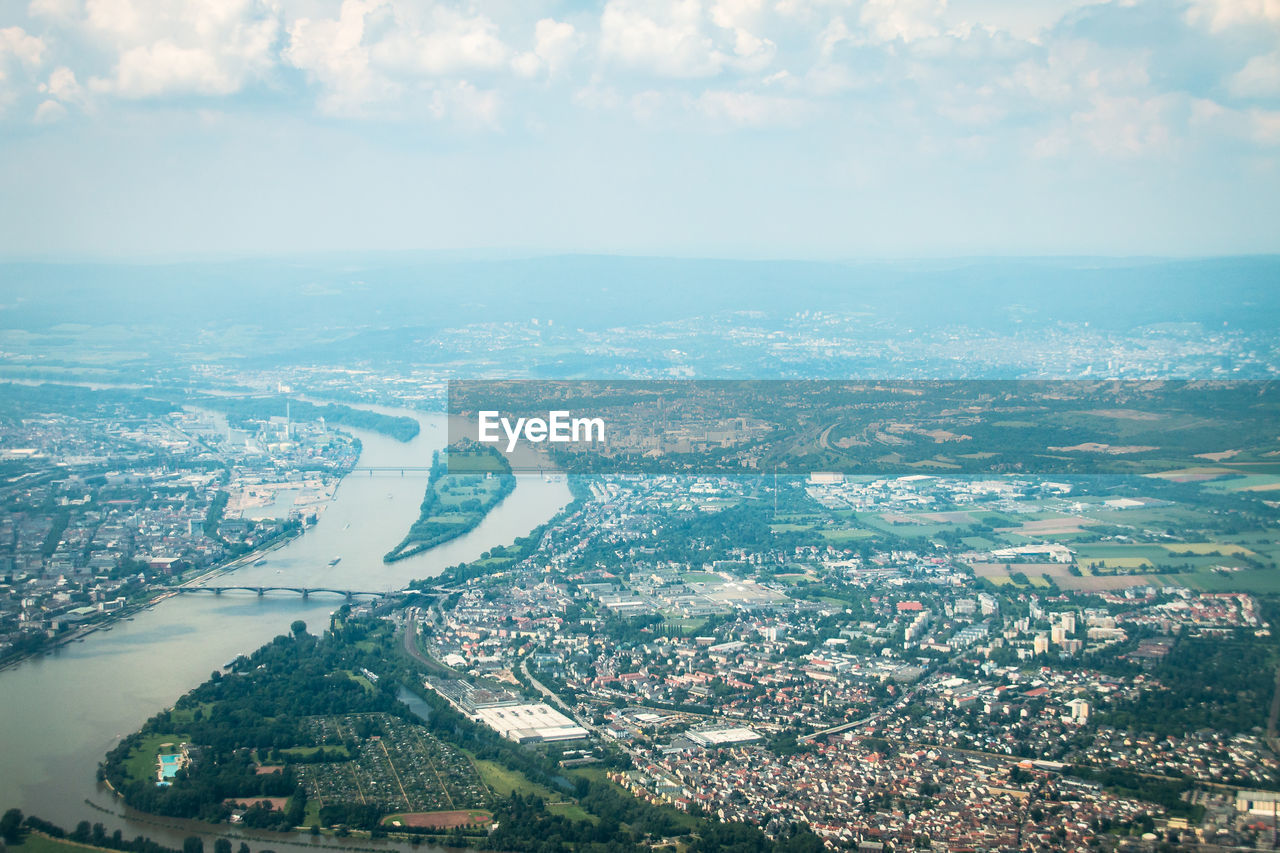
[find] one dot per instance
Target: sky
(729, 128)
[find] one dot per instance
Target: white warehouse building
(537, 723)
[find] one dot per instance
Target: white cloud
(555, 44)
(1205, 112)
(202, 47)
(737, 14)
(61, 88)
(905, 20)
(1258, 126)
(526, 64)
(167, 68)
(1224, 14)
(751, 52)
(1078, 97)
(1259, 78)
(1070, 72)
(62, 84)
(376, 52)
(17, 43)
(834, 34)
(745, 20)
(945, 65)
(49, 112)
(448, 42)
(1026, 21)
(827, 76)
(18, 50)
(1124, 126)
(332, 53)
(665, 39)
(682, 39)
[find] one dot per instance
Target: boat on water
(335, 561)
(260, 562)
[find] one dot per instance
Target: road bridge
(304, 591)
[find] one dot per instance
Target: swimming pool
(169, 766)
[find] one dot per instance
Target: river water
(61, 712)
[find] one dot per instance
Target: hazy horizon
(502, 253)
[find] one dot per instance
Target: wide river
(61, 712)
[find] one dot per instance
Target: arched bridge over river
(304, 591)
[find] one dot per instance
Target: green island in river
(465, 484)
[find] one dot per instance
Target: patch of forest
(236, 725)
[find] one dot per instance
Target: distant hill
(581, 291)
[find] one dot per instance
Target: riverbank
(35, 841)
(131, 610)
